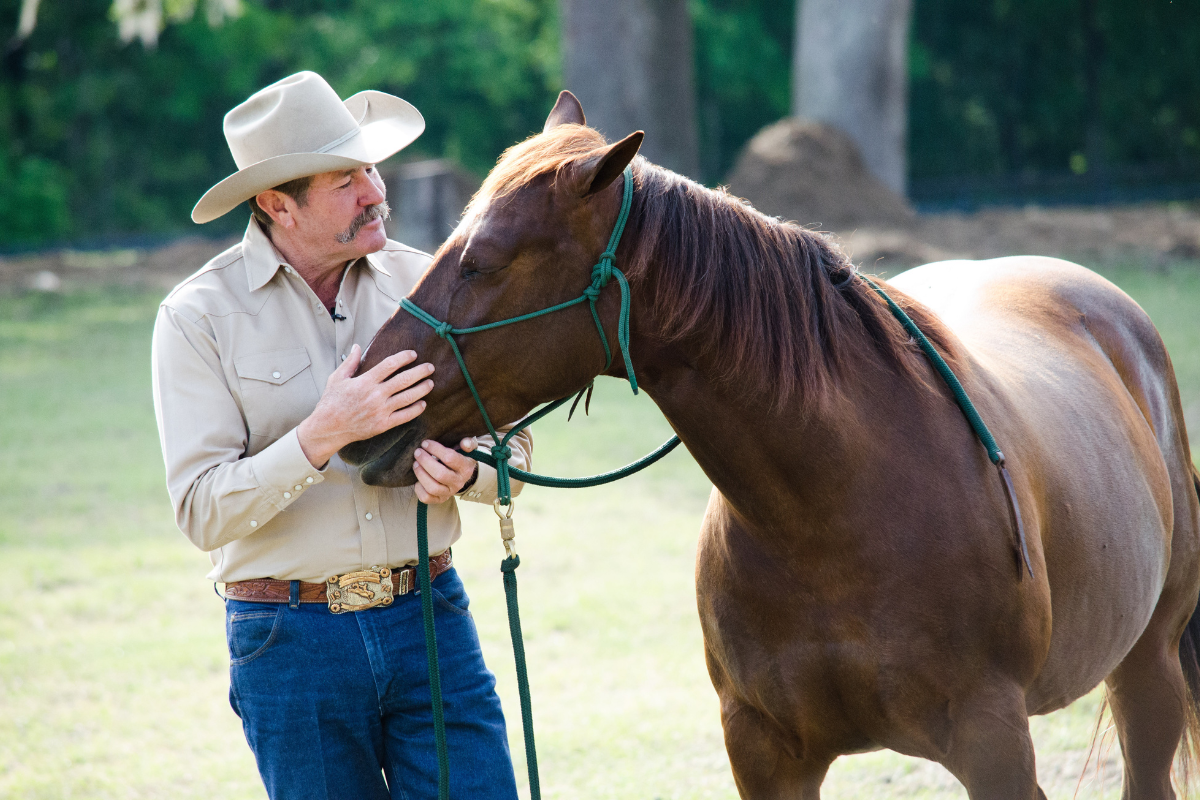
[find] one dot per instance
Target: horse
(858, 578)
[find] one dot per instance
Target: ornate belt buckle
(360, 590)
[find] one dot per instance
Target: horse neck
(774, 464)
(777, 461)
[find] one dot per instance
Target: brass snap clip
(507, 532)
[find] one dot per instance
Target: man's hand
(353, 409)
(442, 472)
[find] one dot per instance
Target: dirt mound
(812, 173)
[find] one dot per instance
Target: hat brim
(388, 125)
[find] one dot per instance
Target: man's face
(343, 216)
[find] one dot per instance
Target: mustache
(370, 213)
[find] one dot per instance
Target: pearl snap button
(298, 487)
(287, 495)
(308, 480)
(368, 515)
(253, 523)
(275, 374)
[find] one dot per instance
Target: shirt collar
(263, 260)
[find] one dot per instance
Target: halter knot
(592, 293)
(442, 329)
(502, 452)
(602, 272)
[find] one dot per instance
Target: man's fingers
(390, 364)
(429, 491)
(409, 395)
(435, 468)
(468, 444)
(404, 415)
(405, 379)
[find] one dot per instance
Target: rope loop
(510, 564)
(442, 329)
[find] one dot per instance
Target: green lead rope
(969, 411)
(435, 673)
(509, 568)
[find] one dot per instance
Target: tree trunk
(850, 69)
(630, 64)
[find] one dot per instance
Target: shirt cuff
(283, 471)
(485, 486)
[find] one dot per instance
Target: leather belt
(353, 591)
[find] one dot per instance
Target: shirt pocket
(278, 392)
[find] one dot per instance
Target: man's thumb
(351, 363)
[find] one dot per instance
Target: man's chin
(370, 239)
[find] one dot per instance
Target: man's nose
(372, 192)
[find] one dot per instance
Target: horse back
(1076, 384)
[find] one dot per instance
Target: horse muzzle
(387, 459)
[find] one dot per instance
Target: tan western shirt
(242, 350)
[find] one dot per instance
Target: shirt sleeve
(218, 494)
(484, 488)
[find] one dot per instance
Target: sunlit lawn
(113, 670)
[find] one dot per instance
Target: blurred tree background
(110, 116)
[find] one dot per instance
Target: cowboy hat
(299, 126)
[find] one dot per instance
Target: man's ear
(275, 205)
(567, 111)
(597, 170)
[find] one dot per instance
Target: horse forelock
(539, 155)
(757, 294)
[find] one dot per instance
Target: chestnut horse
(856, 575)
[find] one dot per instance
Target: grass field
(113, 669)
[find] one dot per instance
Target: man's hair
(296, 189)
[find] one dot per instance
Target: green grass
(113, 670)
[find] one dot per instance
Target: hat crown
(299, 114)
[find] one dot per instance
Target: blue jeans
(337, 705)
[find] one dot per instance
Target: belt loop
(294, 595)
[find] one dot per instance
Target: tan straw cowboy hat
(299, 126)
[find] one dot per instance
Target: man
(327, 659)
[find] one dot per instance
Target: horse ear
(596, 171)
(566, 111)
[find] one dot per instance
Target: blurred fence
(427, 200)
(1115, 186)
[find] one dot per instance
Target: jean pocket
(457, 603)
(251, 633)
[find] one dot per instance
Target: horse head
(527, 241)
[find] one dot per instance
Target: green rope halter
(604, 270)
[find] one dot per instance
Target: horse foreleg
(991, 751)
(768, 763)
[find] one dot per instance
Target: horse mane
(755, 292)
